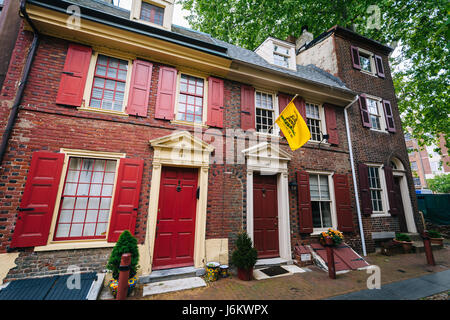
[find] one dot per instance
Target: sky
(178, 15)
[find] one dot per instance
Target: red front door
(175, 229)
(265, 216)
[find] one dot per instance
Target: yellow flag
(293, 126)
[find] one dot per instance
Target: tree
(126, 244)
(419, 27)
(440, 183)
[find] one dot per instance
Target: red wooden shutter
(283, 101)
(389, 116)
(141, 79)
(247, 107)
(74, 75)
(355, 57)
(304, 203)
(343, 203)
(215, 102)
(301, 107)
(330, 120)
(167, 87)
(390, 190)
(379, 65)
(364, 190)
(364, 111)
(126, 198)
(38, 200)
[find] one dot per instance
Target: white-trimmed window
(152, 13)
(367, 61)
(376, 190)
(314, 121)
(265, 112)
(321, 201)
(86, 200)
(373, 107)
(191, 99)
(414, 166)
(281, 56)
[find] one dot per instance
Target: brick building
(129, 122)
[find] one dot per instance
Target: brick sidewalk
(311, 285)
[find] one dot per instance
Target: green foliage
(420, 28)
(126, 244)
(434, 234)
(440, 183)
(245, 255)
(402, 237)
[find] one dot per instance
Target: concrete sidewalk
(410, 289)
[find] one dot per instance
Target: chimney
(305, 38)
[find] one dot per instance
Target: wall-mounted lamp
(293, 186)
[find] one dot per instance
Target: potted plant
(244, 256)
(334, 234)
(126, 244)
(405, 241)
(436, 237)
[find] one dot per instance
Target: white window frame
(85, 243)
(205, 100)
(90, 83)
(383, 126)
(323, 125)
(275, 52)
(372, 62)
(334, 222)
(275, 129)
(384, 194)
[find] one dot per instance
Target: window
(108, 88)
(376, 191)
(87, 198)
(320, 201)
(152, 13)
(374, 113)
(414, 166)
(365, 61)
(417, 182)
(281, 56)
(313, 121)
(264, 112)
(190, 99)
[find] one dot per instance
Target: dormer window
(152, 13)
(365, 60)
(281, 56)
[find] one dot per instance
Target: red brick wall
(43, 125)
(369, 145)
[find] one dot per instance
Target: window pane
(317, 221)
(152, 13)
(326, 215)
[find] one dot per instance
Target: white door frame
(406, 200)
(268, 159)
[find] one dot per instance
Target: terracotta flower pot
(245, 274)
(439, 241)
(407, 245)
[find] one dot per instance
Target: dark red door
(175, 228)
(265, 216)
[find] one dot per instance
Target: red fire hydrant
(428, 249)
(122, 287)
(329, 244)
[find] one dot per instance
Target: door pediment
(266, 157)
(181, 148)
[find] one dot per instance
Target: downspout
(358, 209)
(16, 106)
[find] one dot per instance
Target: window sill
(269, 135)
(379, 130)
(110, 112)
(191, 124)
(381, 214)
(150, 23)
(369, 73)
(313, 142)
(54, 246)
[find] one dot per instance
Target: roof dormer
(157, 13)
(278, 52)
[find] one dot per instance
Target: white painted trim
(406, 200)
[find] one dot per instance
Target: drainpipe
(16, 106)
(358, 209)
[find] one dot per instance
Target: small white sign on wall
(305, 257)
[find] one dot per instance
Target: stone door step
(291, 269)
(173, 285)
(265, 263)
(172, 274)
